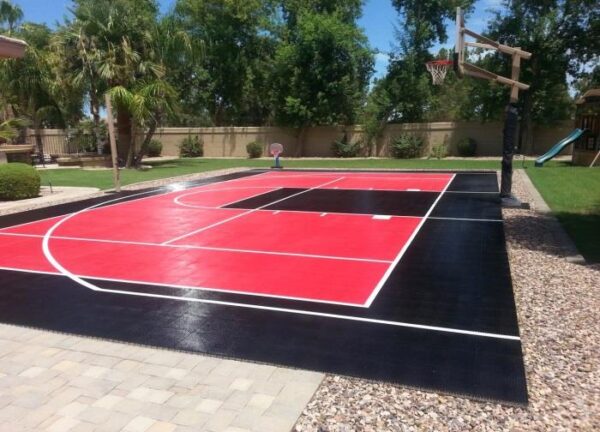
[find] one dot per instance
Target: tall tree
(322, 69)
(562, 36)
(10, 15)
(405, 93)
(113, 39)
(27, 84)
(231, 80)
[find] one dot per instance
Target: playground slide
(558, 147)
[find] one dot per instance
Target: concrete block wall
(232, 141)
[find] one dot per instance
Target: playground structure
(585, 137)
(560, 146)
(587, 148)
(462, 67)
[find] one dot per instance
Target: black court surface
(401, 277)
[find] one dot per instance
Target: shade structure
(11, 48)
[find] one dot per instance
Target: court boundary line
(65, 272)
(207, 248)
(189, 287)
(248, 212)
(165, 192)
(353, 214)
(405, 247)
(177, 199)
(283, 310)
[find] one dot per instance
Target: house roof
(11, 48)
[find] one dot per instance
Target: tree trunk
(38, 139)
(131, 153)
(144, 146)
(95, 111)
(124, 122)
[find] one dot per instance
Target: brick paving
(57, 382)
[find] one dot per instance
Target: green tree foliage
(10, 15)
(587, 80)
(562, 36)
(30, 87)
(405, 94)
(230, 81)
(122, 45)
(322, 70)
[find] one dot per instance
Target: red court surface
(185, 239)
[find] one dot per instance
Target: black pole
(511, 123)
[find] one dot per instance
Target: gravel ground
(558, 305)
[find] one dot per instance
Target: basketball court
(395, 276)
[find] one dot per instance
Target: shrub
(254, 149)
(18, 181)
(154, 148)
(344, 149)
(466, 147)
(438, 151)
(406, 146)
(191, 146)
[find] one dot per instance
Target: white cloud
(381, 57)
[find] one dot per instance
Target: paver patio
(57, 382)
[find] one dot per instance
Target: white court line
(65, 272)
(358, 175)
(188, 287)
(177, 199)
(274, 309)
(153, 190)
(362, 214)
(405, 248)
(199, 230)
(208, 248)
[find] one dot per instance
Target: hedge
(18, 181)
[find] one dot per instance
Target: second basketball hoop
(276, 149)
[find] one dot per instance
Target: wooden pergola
(11, 48)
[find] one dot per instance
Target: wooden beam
(516, 70)
(472, 70)
(498, 46)
(480, 45)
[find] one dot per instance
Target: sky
(378, 21)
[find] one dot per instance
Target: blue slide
(559, 146)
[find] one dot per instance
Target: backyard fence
(232, 141)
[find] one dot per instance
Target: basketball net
(438, 70)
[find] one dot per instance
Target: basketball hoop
(438, 70)
(276, 149)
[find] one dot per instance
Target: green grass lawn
(573, 194)
(103, 178)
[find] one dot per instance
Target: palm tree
(27, 83)
(10, 14)
(110, 40)
(149, 103)
(9, 129)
